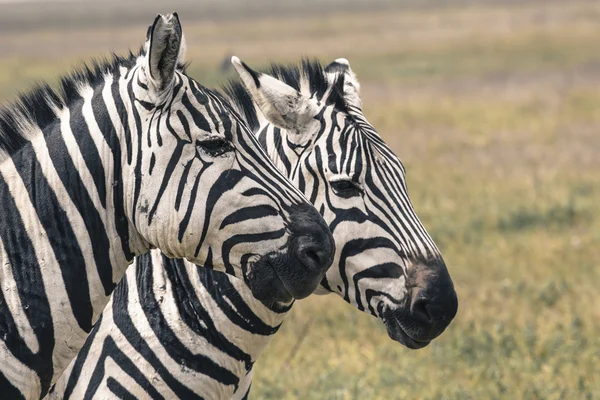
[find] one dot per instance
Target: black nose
(311, 246)
(433, 302)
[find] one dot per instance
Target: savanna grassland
(495, 112)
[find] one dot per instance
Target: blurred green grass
(495, 111)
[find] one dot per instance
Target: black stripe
(315, 187)
(173, 162)
(192, 203)
(69, 175)
(352, 248)
(60, 235)
(88, 148)
(245, 238)
(141, 84)
(385, 270)
(110, 349)
(301, 183)
(30, 286)
(212, 117)
(119, 390)
(112, 139)
(152, 163)
(123, 116)
(128, 329)
(8, 390)
(231, 302)
(278, 142)
(182, 183)
(138, 162)
(358, 165)
(333, 167)
(184, 124)
(250, 153)
(253, 74)
(10, 335)
(248, 213)
(167, 112)
(199, 119)
(224, 119)
(224, 183)
(392, 224)
(262, 139)
(82, 356)
(191, 313)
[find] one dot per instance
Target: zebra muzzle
(262, 279)
(430, 307)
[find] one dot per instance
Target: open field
(495, 111)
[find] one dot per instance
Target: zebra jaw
(394, 321)
(262, 279)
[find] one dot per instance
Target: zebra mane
(38, 107)
(308, 73)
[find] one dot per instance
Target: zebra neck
(54, 250)
(87, 152)
(198, 302)
(65, 235)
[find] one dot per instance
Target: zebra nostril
(433, 301)
(420, 308)
(313, 243)
(312, 255)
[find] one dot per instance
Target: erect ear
(166, 50)
(281, 104)
(351, 84)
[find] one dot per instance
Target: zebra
(309, 119)
(133, 154)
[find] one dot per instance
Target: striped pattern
(171, 331)
(130, 154)
(155, 342)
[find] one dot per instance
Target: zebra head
(202, 188)
(386, 263)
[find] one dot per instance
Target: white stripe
(19, 375)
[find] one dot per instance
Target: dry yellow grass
(495, 111)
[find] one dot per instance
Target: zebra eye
(215, 147)
(346, 188)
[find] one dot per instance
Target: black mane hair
(38, 106)
(291, 74)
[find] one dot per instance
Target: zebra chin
(264, 282)
(296, 271)
(397, 332)
(274, 278)
(428, 309)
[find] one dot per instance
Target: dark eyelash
(346, 188)
(215, 147)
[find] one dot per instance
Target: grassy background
(495, 110)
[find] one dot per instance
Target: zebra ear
(281, 104)
(165, 49)
(351, 84)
